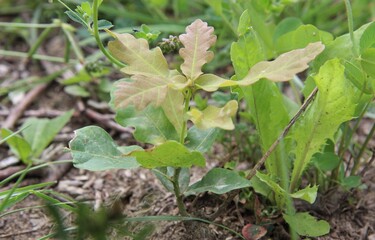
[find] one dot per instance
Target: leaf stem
(349, 13)
(95, 32)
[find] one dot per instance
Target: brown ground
(351, 214)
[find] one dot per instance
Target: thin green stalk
(35, 56)
(38, 42)
(349, 13)
(76, 49)
(95, 32)
(363, 148)
(5, 201)
(30, 25)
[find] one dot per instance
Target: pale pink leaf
(197, 40)
(140, 91)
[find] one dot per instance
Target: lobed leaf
(92, 148)
(284, 67)
(197, 40)
(169, 154)
(173, 107)
(219, 181)
(335, 103)
(140, 59)
(214, 117)
(139, 91)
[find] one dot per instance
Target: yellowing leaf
(140, 91)
(215, 117)
(173, 107)
(197, 40)
(136, 53)
(284, 67)
(211, 82)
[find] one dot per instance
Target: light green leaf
(244, 23)
(169, 154)
(18, 145)
(92, 148)
(219, 181)
(140, 59)
(245, 53)
(285, 66)
(76, 90)
(151, 125)
(39, 133)
(201, 140)
(300, 37)
(368, 62)
(335, 103)
(173, 107)
(280, 194)
(306, 225)
(140, 91)
(368, 38)
(308, 194)
(285, 26)
(214, 117)
(197, 40)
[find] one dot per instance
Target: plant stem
(95, 32)
(176, 175)
(177, 192)
(364, 145)
(349, 13)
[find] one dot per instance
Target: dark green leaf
(219, 181)
(151, 125)
(104, 24)
(306, 225)
(326, 161)
(93, 149)
(201, 140)
(76, 17)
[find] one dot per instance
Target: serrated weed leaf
(197, 40)
(215, 117)
(284, 67)
(169, 154)
(138, 56)
(335, 103)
